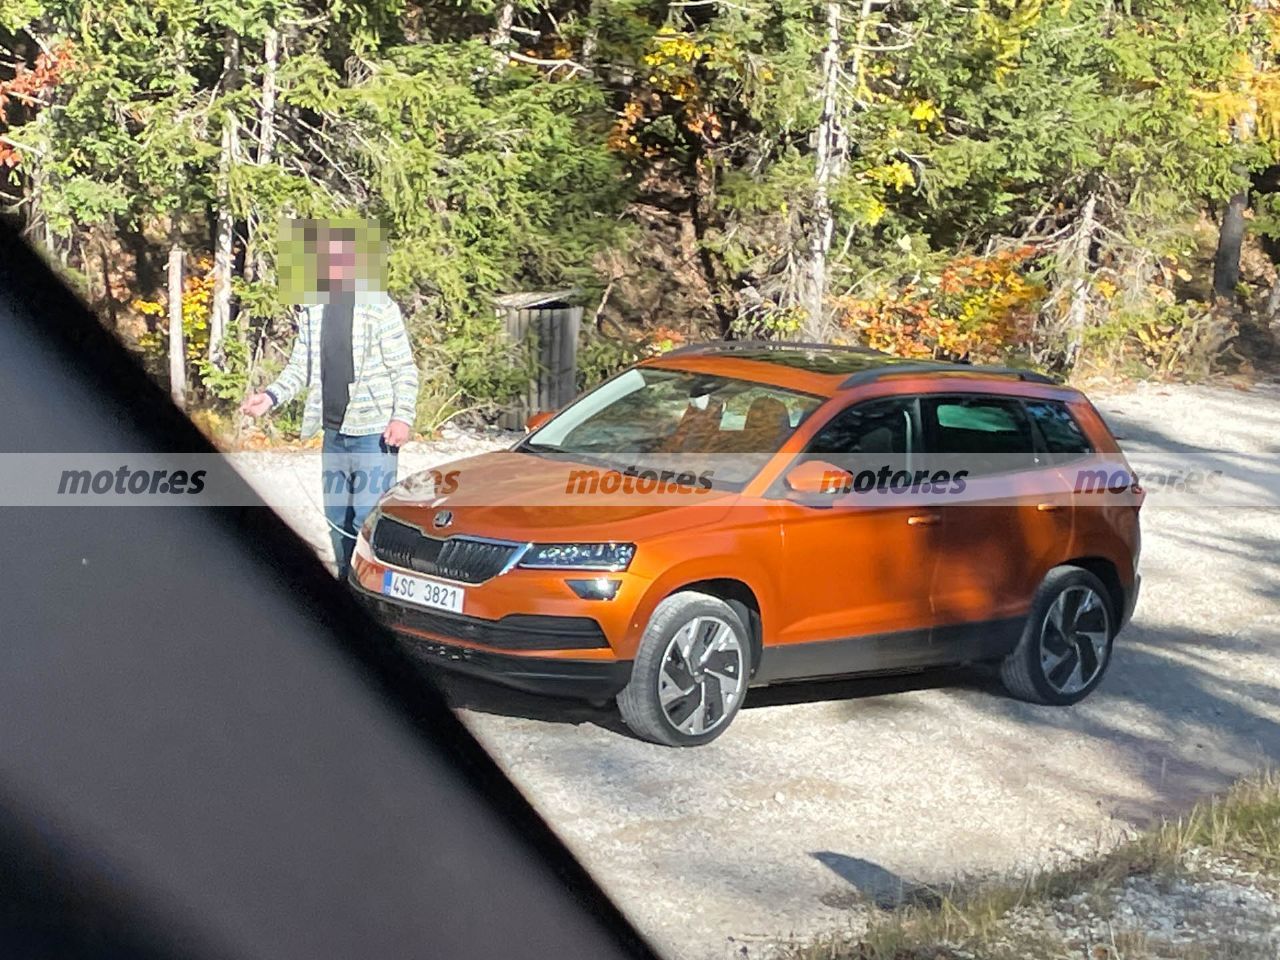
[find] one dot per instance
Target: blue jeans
(356, 471)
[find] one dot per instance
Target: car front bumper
(599, 677)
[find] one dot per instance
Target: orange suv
(740, 513)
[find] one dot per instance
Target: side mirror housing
(819, 477)
(538, 419)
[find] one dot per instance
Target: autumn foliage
(979, 308)
(29, 87)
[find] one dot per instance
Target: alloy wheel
(702, 675)
(1074, 640)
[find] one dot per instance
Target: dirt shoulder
(1203, 887)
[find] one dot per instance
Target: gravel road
(825, 797)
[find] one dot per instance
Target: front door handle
(1048, 507)
(923, 520)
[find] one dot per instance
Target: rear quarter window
(1062, 435)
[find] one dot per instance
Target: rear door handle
(923, 520)
(1048, 507)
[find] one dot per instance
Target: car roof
(828, 369)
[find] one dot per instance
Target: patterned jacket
(386, 383)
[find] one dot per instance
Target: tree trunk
(1079, 264)
(829, 158)
(256, 266)
(104, 264)
(500, 40)
(177, 349)
(1226, 262)
(220, 313)
(267, 116)
(592, 37)
(1273, 301)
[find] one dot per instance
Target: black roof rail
(878, 363)
(907, 368)
(732, 346)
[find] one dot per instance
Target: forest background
(1087, 186)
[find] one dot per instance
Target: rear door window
(981, 434)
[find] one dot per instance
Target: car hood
(511, 495)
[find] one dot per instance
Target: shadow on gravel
(863, 688)
(876, 885)
(467, 693)
(1175, 721)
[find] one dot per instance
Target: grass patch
(1241, 826)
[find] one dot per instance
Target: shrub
(980, 308)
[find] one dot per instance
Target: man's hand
(256, 404)
(396, 434)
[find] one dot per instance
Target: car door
(1004, 530)
(856, 562)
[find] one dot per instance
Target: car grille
(455, 558)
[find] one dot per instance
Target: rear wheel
(690, 673)
(1066, 644)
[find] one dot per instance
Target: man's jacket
(386, 383)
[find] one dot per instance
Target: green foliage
(601, 357)
(229, 380)
(596, 132)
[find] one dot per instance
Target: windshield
(652, 418)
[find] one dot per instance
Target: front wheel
(690, 673)
(1066, 643)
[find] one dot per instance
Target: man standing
(352, 357)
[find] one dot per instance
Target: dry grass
(1241, 826)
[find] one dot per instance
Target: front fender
(719, 558)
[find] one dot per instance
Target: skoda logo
(442, 519)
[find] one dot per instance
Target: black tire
(640, 702)
(1024, 671)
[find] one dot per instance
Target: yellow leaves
(1273, 31)
(924, 110)
(672, 47)
(870, 211)
(197, 301)
(1004, 26)
(1105, 288)
(924, 113)
(1246, 103)
(896, 174)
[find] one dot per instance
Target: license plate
(423, 592)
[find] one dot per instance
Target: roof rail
(733, 346)
(909, 368)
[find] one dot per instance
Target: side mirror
(819, 477)
(538, 419)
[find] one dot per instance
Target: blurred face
(338, 264)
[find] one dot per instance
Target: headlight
(579, 556)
